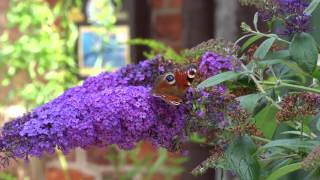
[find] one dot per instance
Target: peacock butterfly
(172, 86)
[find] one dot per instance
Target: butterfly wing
(170, 99)
(171, 93)
(182, 82)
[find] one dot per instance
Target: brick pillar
(139, 21)
(198, 22)
(226, 19)
(166, 22)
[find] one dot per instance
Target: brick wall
(166, 22)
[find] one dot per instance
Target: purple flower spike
(78, 118)
(111, 108)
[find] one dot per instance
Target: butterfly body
(172, 86)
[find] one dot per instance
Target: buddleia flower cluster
(111, 108)
(298, 105)
(217, 115)
(290, 12)
(219, 46)
(118, 108)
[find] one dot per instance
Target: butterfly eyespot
(192, 73)
(170, 78)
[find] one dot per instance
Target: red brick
(52, 2)
(14, 34)
(4, 4)
(147, 149)
(157, 4)
(168, 26)
(175, 3)
(57, 174)
(3, 20)
(109, 175)
(97, 156)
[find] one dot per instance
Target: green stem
(301, 132)
(268, 35)
(260, 88)
(283, 84)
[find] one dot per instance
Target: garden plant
(254, 103)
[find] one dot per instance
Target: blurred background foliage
(157, 48)
(40, 40)
(7, 176)
(148, 163)
(45, 48)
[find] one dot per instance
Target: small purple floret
(212, 64)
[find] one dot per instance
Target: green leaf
(219, 78)
(318, 123)
(264, 48)
(266, 121)
(159, 162)
(241, 158)
(315, 24)
(249, 101)
(292, 144)
(314, 125)
(250, 41)
(297, 133)
(312, 6)
(290, 64)
(304, 52)
(284, 170)
(282, 54)
(316, 73)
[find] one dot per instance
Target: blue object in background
(98, 53)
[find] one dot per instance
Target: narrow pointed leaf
(219, 78)
(264, 48)
(284, 170)
(249, 42)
